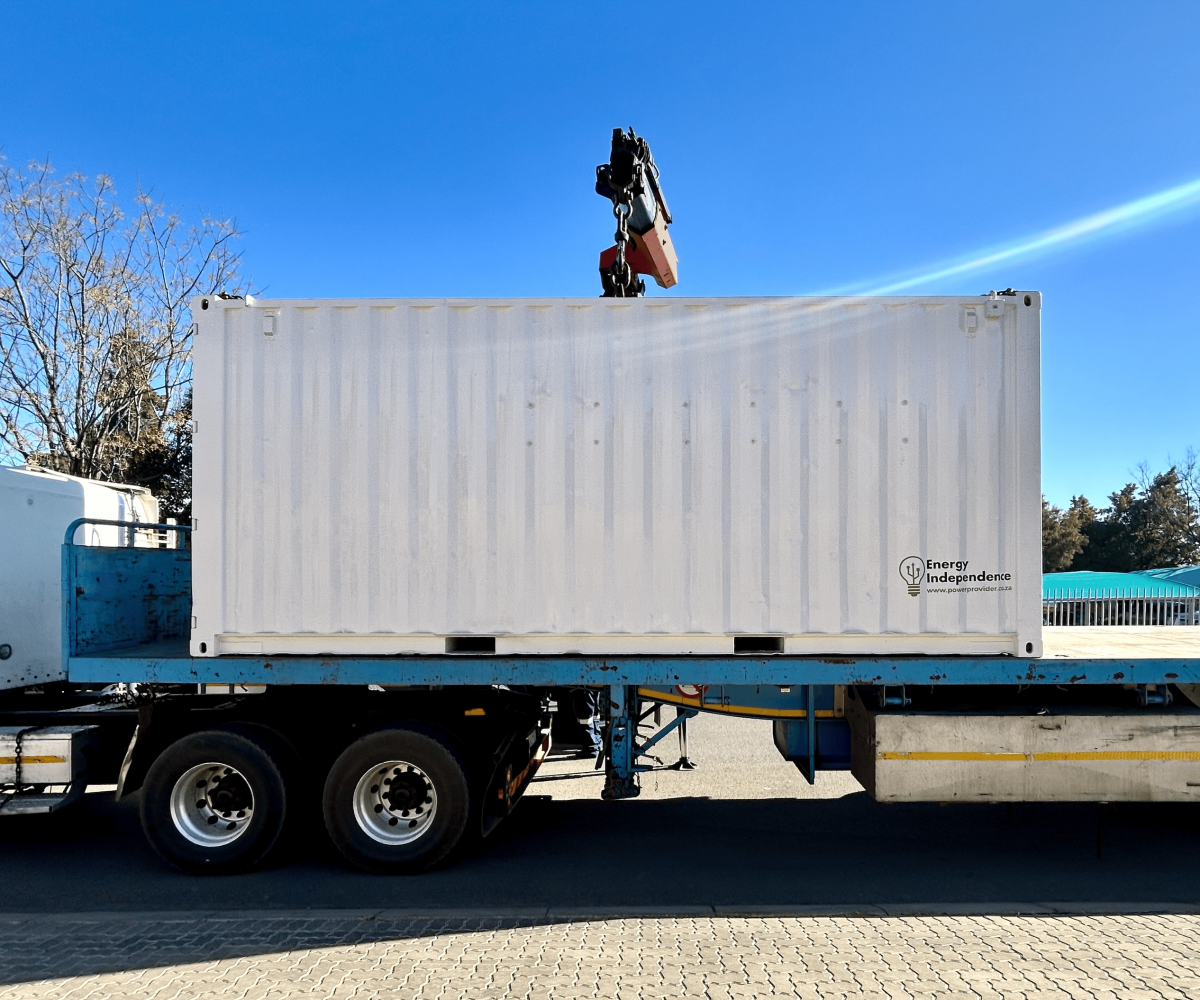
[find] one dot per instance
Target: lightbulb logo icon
(912, 571)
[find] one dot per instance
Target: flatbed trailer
(426, 528)
(227, 751)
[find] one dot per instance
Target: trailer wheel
(396, 801)
(214, 802)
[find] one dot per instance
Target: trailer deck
(1079, 660)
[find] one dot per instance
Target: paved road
(887, 958)
(736, 880)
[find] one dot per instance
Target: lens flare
(1121, 218)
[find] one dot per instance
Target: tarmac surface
(736, 879)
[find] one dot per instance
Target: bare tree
(95, 343)
(1189, 485)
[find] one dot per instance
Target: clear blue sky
(448, 149)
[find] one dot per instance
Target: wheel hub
(229, 793)
(405, 790)
(394, 802)
(212, 804)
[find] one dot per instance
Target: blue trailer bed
(168, 662)
(127, 614)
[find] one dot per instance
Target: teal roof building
(1152, 583)
(1179, 574)
(1160, 597)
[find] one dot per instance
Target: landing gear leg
(685, 763)
(620, 778)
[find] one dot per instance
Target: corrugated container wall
(618, 476)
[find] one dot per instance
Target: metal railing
(132, 534)
(1124, 607)
(122, 588)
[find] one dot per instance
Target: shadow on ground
(638, 853)
(557, 859)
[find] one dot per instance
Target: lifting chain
(18, 777)
(619, 280)
(624, 285)
(621, 185)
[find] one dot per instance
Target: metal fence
(1124, 607)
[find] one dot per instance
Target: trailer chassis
(482, 721)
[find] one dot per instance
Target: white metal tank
(35, 510)
(618, 475)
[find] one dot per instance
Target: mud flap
(519, 758)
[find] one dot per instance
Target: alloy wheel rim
(394, 802)
(212, 804)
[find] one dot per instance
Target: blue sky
(448, 149)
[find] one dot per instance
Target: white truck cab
(36, 507)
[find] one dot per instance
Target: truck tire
(396, 801)
(214, 802)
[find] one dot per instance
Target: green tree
(1146, 526)
(1063, 533)
(1162, 523)
(1109, 543)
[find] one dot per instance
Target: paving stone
(263, 957)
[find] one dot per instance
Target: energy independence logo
(914, 569)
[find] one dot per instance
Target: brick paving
(195, 957)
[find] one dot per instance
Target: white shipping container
(618, 476)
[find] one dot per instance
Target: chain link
(18, 771)
(627, 162)
(621, 272)
(624, 281)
